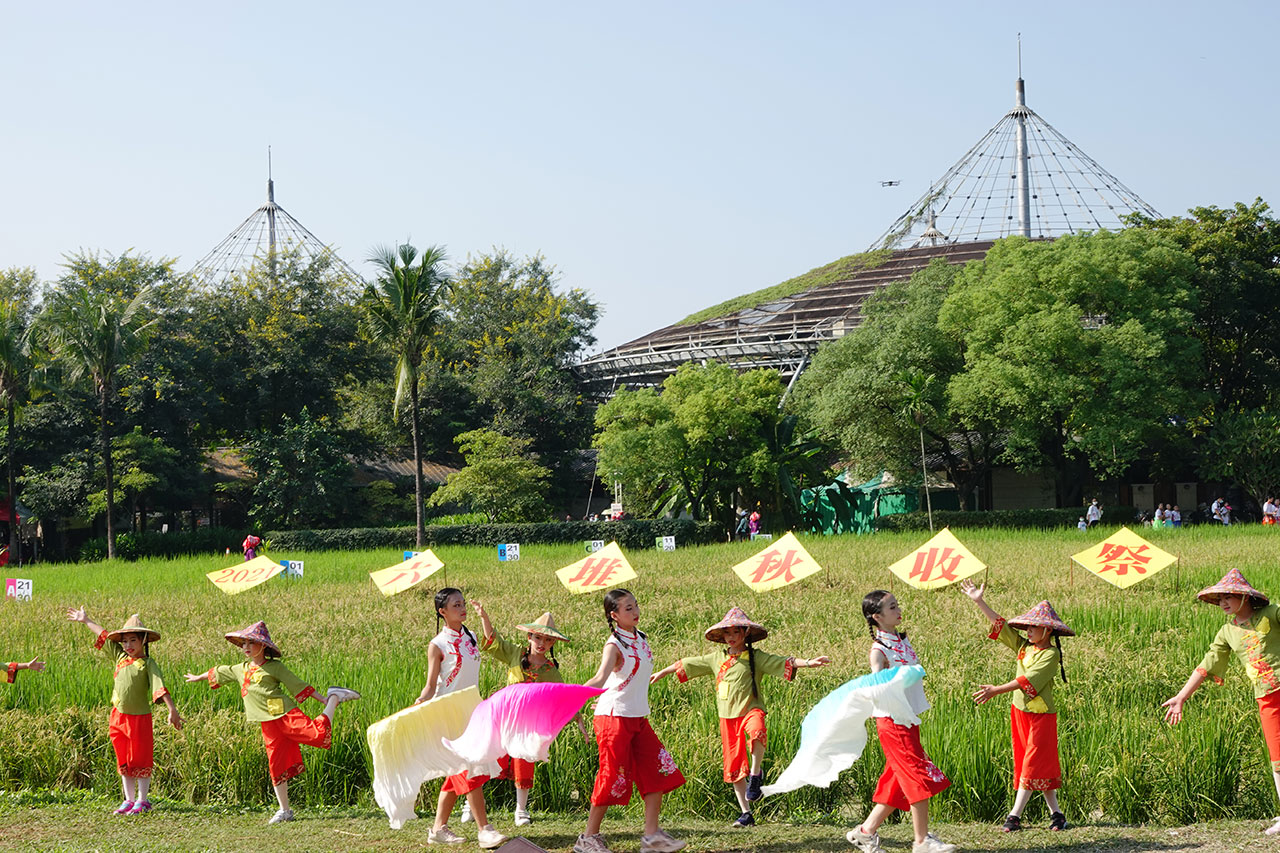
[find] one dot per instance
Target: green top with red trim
(138, 681)
(509, 653)
(263, 688)
(734, 697)
(1037, 669)
(1256, 643)
(11, 672)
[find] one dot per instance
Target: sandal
(1058, 822)
(1012, 823)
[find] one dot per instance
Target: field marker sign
(781, 564)
(237, 579)
(412, 571)
(603, 569)
(1124, 558)
(937, 563)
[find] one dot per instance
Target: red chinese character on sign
(1120, 558)
(945, 560)
(774, 565)
(412, 571)
(596, 571)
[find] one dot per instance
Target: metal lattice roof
(1022, 177)
(268, 233)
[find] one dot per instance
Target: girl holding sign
(1033, 716)
(738, 669)
(138, 684)
(1251, 634)
(263, 681)
(453, 663)
(535, 661)
(629, 750)
(909, 778)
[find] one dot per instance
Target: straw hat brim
(755, 633)
(238, 638)
(114, 636)
(542, 630)
(1059, 628)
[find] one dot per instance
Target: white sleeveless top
(899, 653)
(626, 692)
(460, 668)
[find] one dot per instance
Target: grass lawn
(88, 826)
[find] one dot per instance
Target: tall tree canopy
(1081, 350)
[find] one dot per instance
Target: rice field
(1121, 763)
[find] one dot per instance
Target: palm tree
(917, 387)
(93, 332)
(15, 371)
(401, 311)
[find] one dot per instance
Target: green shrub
(638, 533)
(1013, 519)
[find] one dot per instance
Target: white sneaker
(342, 694)
(523, 818)
(466, 812)
(489, 838)
(660, 842)
(591, 844)
(933, 844)
(1270, 830)
(444, 835)
(281, 816)
(867, 842)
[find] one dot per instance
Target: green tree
(401, 312)
(17, 293)
(302, 475)
(698, 444)
(95, 322)
(1244, 446)
(500, 479)
(1081, 350)
(144, 466)
(510, 338)
(854, 395)
(1237, 287)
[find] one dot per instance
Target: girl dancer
(909, 778)
(263, 681)
(534, 661)
(138, 684)
(1251, 634)
(738, 698)
(630, 752)
(453, 663)
(1033, 716)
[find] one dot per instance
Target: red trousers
(133, 740)
(630, 753)
(1269, 711)
(909, 776)
(1035, 751)
(516, 769)
(282, 737)
(737, 736)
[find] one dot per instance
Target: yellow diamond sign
(1124, 558)
(937, 563)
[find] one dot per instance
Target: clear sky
(664, 156)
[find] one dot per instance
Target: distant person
(1176, 516)
(742, 523)
(753, 523)
(1094, 513)
(1270, 511)
(1216, 510)
(1157, 520)
(1083, 525)
(250, 547)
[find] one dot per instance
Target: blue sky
(663, 156)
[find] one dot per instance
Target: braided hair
(871, 604)
(751, 662)
(524, 657)
(442, 598)
(612, 601)
(1062, 661)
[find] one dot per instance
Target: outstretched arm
(663, 673)
(975, 594)
(610, 660)
(79, 615)
(1173, 714)
(986, 691)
